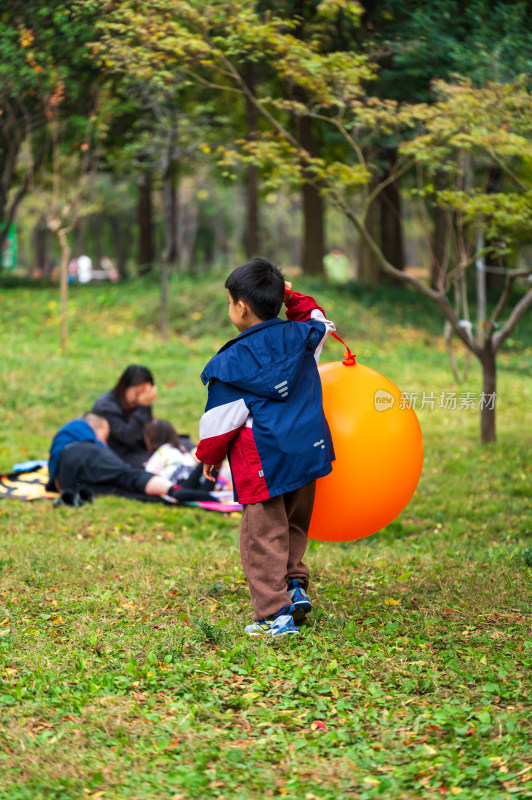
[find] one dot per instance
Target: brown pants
(273, 540)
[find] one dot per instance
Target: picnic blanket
(28, 482)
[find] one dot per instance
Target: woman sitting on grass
(127, 409)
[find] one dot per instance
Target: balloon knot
(350, 359)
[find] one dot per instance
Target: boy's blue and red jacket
(264, 409)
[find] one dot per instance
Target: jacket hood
(265, 359)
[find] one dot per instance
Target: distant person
(107, 271)
(111, 272)
(170, 458)
(72, 270)
(84, 269)
(166, 454)
(337, 266)
(127, 409)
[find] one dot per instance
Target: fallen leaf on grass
(174, 744)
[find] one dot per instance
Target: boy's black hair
(260, 284)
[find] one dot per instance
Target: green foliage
(124, 670)
(416, 42)
(465, 133)
(48, 91)
(44, 48)
(490, 124)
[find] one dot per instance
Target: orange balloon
(379, 454)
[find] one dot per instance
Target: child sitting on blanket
(166, 455)
(170, 459)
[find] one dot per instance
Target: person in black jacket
(127, 408)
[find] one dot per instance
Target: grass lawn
(124, 671)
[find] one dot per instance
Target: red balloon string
(350, 358)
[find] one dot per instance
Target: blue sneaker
(300, 601)
(276, 625)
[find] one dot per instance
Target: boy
(265, 412)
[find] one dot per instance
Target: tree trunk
(251, 235)
(439, 239)
(369, 271)
(9, 155)
(480, 265)
(391, 223)
(170, 233)
(40, 241)
(63, 280)
(119, 246)
(488, 399)
(252, 229)
(145, 223)
(79, 237)
(188, 223)
(494, 280)
(164, 297)
(313, 210)
(169, 213)
(177, 216)
(221, 245)
(96, 227)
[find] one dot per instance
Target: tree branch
(258, 105)
(458, 271)
(209, 84)
(505, 294)
(438, 297)
(347, 136)
(519, 310)
(392, 177)
(507, 170)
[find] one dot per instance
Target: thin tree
(72, 176)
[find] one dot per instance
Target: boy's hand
(287, 290)
(207, 470)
